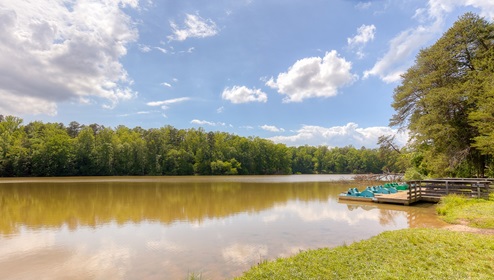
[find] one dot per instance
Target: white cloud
(402, 48)
(242, 94)
(339, 136)
(166, 85)
(437, 8)
(365, 33)
(248, 127)
(406, 44)
(55, 51)
(220, 110)
(363, 5)
(17, 105)
(163, 50)
(137, 113)
(164, 104)
(144, 48)
(272, 128)
(195, 27)
(314, 77)
(199, 122)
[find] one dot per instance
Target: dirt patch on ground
(463, 227)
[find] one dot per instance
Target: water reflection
(163, 229)
(44, 204)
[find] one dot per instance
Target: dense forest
(53, 149)
(446, 102)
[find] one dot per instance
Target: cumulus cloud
(55, 51)
(365, 33)
(242, 94)
(340, 136)
(406, 44)
(194, 27)
(203, 122)
(272, 128)
(314, 77)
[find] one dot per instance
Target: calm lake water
(168, 227)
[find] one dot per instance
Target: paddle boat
(355, 194)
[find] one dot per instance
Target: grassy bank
(401, 254)
(472, 212)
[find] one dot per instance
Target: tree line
(53, 149)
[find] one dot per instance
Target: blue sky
(319, 72)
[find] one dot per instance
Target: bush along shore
(402, 254)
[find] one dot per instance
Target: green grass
(401, 254)
(478, 213)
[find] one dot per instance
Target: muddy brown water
(170, 227)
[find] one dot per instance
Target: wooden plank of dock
(395, 198)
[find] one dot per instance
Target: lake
(169, 227)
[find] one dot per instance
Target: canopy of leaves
(39, 149)
(446, 100)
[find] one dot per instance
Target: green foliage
(412, 174)
(475, 212)
(39, 149)
(445, 100)
(402, 254)
(225, 168)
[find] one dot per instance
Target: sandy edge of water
(463, 227)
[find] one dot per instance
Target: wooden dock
(401, 197)
(433, 190)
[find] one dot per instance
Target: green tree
(105, 146)
(85, 152)
(12, 152)
(439, 93)
(52, 152)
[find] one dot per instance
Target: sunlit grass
(478, 213)
(402, 254)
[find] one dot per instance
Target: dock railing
(414, 191)
(433, 190)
